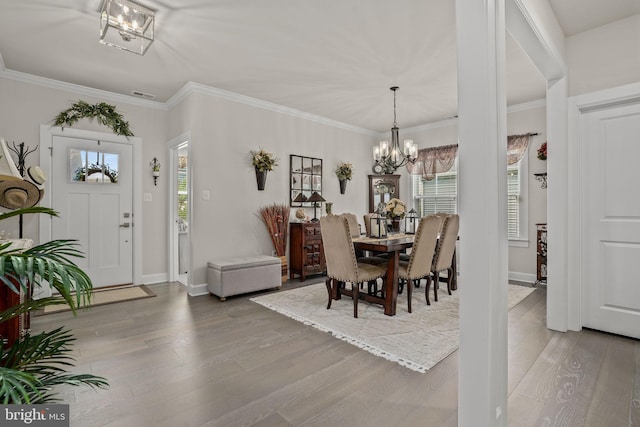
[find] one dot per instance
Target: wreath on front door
(105, 114)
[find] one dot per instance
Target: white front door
(610, 141)
(91, 188)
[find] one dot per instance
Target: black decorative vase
(261, 179)
(343, 186)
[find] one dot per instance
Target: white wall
(604, 57)
(25, 106)
(222, 134)
(522, 260)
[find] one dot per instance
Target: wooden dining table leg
(391, 284)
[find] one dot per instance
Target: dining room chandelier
(390, 158)
(127, 25)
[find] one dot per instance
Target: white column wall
(482, 390)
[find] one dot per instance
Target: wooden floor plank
(634, 408)
(179, 360)
(575, 381)
(613, 384)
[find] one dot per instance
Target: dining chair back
(354, 227)
(443, 259)
(421, 258)
(424, 247)
(342, 264)
(367, 223)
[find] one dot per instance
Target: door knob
(125, 225)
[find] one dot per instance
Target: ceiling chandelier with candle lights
(389, 158)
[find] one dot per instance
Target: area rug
(108, 296)
(415, 340)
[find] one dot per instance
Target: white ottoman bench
(239, 275)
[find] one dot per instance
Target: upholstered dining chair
(342, 265)
(367, 223)
(419, 265)
(354, 229)
(442, 261)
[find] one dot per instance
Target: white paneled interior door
(91, 188)
(610, 143)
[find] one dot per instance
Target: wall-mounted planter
(343, 186)
(261, 179)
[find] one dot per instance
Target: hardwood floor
(175, 360)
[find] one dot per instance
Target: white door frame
(47, 133)
(534, 27)
(172, 205)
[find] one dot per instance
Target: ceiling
(335, 59)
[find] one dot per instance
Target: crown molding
(188, 89)
(79, 89)
(531, 105)
(452, 121)
(193, 87)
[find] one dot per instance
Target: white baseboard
(155, 278)
(192, 290)
(198, 290)
(522, 277)
(201, 289)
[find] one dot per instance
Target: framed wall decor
(305, 177)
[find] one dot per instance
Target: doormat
(108, 296)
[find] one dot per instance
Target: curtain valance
(433, 160)
(516, 147)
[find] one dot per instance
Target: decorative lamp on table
(300, 198)
(378, 224)
(315, 199)
(411, 222)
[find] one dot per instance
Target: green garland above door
(105, 114)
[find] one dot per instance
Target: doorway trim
(578, 105)
(172, 205)
(535, 28)
(47, 133)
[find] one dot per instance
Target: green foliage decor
(263, 160)
(344, 170)
(35, 364)
(82, 173)
(105, 114)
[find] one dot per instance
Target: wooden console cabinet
(16, 327)
(541, 252)
(306, 253)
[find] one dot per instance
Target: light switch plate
(206, 195)
(147, 197)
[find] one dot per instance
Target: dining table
(393, 244)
